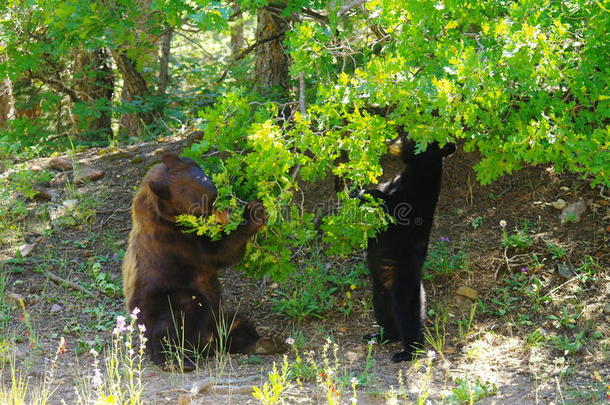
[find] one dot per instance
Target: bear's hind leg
(383, 306)
(183, 341)
(407, 297)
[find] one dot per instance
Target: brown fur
(171, 276)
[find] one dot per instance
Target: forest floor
(516, 315)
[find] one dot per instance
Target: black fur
(396, 256)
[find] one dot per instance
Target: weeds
(568, 345)
(104, 282)
(444, 260)
(465, 324)
(18, 391)
(117, 377)
(331, 378)
(537, 338)
(556, 251)
(25, 181)
(17, 190)
(5, 309)
(520, 239)
(468, 392)
(565, 318)
(435, 335)
(506, 298)
(78, 208)
(278, 382)
(315, 291)
(588, 270)
(477, 222)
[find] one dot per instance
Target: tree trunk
(94, 83)
(27, 99)
(7, 103)
(237, 33)
(134, 88)
(164, 62)
(272, 62)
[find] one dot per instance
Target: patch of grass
(435, 335)
(444, 260)
(116, 376)
(112, 241)
(565, 318)
(11, 211)
(5, 309)
(83, 212)
(465, 324)
(589, 270)
(318, 289)
(102, 317)
(569, 345)
(536, 338)
(477, 222)
(17, 189)
(334, 381)
(309, 295)
(103, 281)
(468, 392)
(556, 251)
(515, 291)
(270, 392)
(520, 239)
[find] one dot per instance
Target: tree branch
(278, 8)
(244, 52)
(57, 86)
(302, 107)
(70, 284)
(349, 6)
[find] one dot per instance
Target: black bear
(395, 256)
(172, 277)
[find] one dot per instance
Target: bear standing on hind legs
(396, 256)
(172, 277)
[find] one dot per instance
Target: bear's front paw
(269, 345)
(405, 355)
(255, 214)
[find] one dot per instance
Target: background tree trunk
(134, 88)
(7, 103)
(164, 62)
(94, 83)
(272, 63)
(26, 99)
(237, 33)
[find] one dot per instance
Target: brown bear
(172, 276)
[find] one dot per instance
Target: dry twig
(70, 284)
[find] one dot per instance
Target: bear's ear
(160, 188)
(448, 149)
(173, 161)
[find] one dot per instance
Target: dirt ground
(496, 349)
